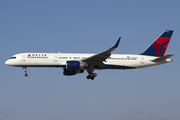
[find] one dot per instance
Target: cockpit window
(13, 58)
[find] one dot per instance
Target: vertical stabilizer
(159, 46)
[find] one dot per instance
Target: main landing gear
(90, 71)
(91, 76)
(25, 70)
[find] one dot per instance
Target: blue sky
(88, 27)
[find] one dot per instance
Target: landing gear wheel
(91, 76)
(95, 74)
(26, 74)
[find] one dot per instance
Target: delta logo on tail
(159, 46)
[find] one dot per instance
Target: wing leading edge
(99, 58)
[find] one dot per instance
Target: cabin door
(56, 58)
(23, 58)
(142, 60)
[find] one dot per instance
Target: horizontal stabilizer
(162, 58)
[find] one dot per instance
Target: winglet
(117, 43)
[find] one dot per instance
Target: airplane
(74, 63)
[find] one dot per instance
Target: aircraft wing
(99, 58)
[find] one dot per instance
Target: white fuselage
(115, 61)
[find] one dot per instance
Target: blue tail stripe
(150, 51)
(167, 33)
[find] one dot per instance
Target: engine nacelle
(72, 72)
(75, 65)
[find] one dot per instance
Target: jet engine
(75, 65)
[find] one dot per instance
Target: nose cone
(7, 62)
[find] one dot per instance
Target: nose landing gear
(25, 70)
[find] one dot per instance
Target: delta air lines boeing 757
(74, 63)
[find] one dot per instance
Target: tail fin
(159, 46)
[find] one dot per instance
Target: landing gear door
(56, 58)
